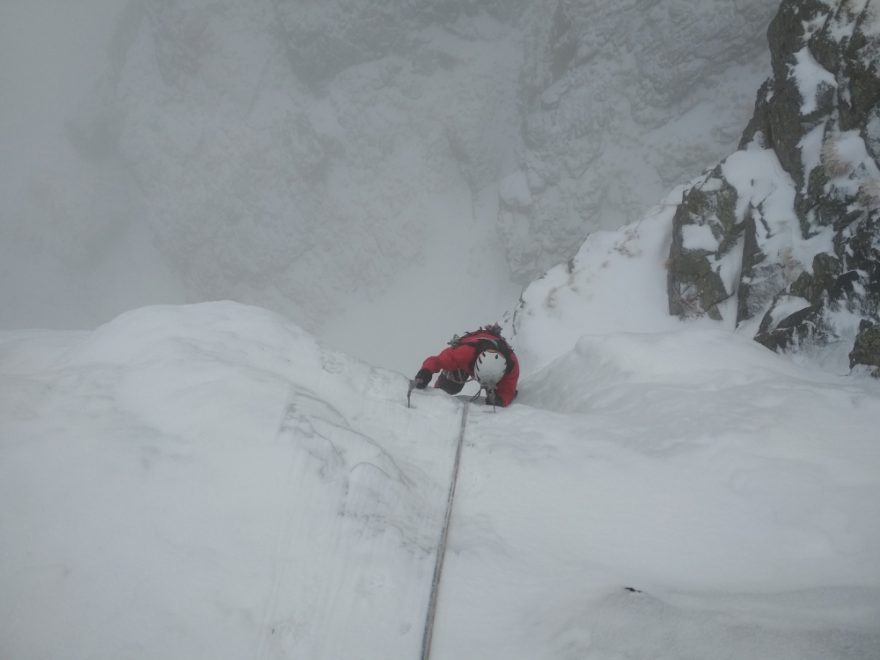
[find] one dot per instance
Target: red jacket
(464, 355)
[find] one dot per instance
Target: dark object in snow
(866, 350)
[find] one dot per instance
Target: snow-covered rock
(615, 283)
(793, 214)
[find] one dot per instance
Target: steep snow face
(311, 156)
(208, 481)
(615, 283)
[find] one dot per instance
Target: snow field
(740, 498)
(208, 481)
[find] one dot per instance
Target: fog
(384, 178)
(74, 247)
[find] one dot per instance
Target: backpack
(481, 344)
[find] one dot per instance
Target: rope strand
(441, 547)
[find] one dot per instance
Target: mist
(74, 247)
(384, 178)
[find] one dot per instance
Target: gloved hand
(492, 398)
(422, 378)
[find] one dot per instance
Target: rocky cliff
(621, 101)
(783, 237)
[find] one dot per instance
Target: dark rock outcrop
(796, 210)
(866, 350)
(695, 285)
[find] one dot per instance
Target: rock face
(325, 37)
(783, 237)
(866, 350)
(616, 92)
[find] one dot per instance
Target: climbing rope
(441, 547)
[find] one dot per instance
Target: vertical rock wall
(783, 237)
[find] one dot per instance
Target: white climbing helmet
(490, 368)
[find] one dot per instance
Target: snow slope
(736, 492)
(208, 481)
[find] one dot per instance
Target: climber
(483, 355)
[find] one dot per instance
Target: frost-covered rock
(794, 213)
(866, 349)
(704, 225)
